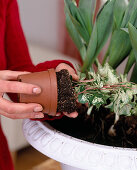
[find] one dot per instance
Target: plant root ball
(66, 96)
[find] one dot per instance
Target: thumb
(75, 77)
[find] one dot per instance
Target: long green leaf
(120, 48)
(76, 14)
(78, 22)
(100, 34)
(133, 38)
(135, 24)
(129, 12)
(67, 3)
(104, 24)
(119, 10)
(87, 9)
(90, 56)
(130, 62)
(75, 36)
(134, 74)
(133, 18)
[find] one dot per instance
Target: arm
(18, 58)
(16, 49)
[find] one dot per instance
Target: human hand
(70, 70)
(9, 84)
(75, 77)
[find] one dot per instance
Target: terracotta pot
(47, 81)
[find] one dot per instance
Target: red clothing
(14, 55)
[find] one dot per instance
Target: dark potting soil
(93, 128)
(66, 97)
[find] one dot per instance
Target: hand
(70, 70)
(75, 77)
(18, 110)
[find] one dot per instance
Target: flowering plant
(116, 22)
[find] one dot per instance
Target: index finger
(18, 87)
(11, 75)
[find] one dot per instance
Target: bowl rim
(50, 129)
(78, 153)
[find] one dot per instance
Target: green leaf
(82, 88)
(90, 98)
(104, 24)
(97, 101)
(75, 36)
(133, 38)
(101, 31)
(130, 62)
(79, 23)
(133, 18)
(119, 10)
(82, 76)
(76, 14)
(90, 56)
(134, 74)
(76, 19)
(125, 29)
(129, 12)
(82, 98)
(135, 24)
(125, 110)
(87, 9)
(119, 48)
(67, 3)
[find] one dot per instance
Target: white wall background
(40, 21)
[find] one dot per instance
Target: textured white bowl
(75, 154)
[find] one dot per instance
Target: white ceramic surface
(75, 152)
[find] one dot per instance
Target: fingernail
(74, 115)
(58, 114)
(75, 77)
(39, 116)
(38, 109)
(36, 90)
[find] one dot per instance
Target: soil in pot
(94, 128)
(66, 97)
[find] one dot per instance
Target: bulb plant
(116, 23)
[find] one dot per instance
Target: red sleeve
(17, 54)
(16, 49)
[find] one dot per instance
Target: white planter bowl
(75, 154)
